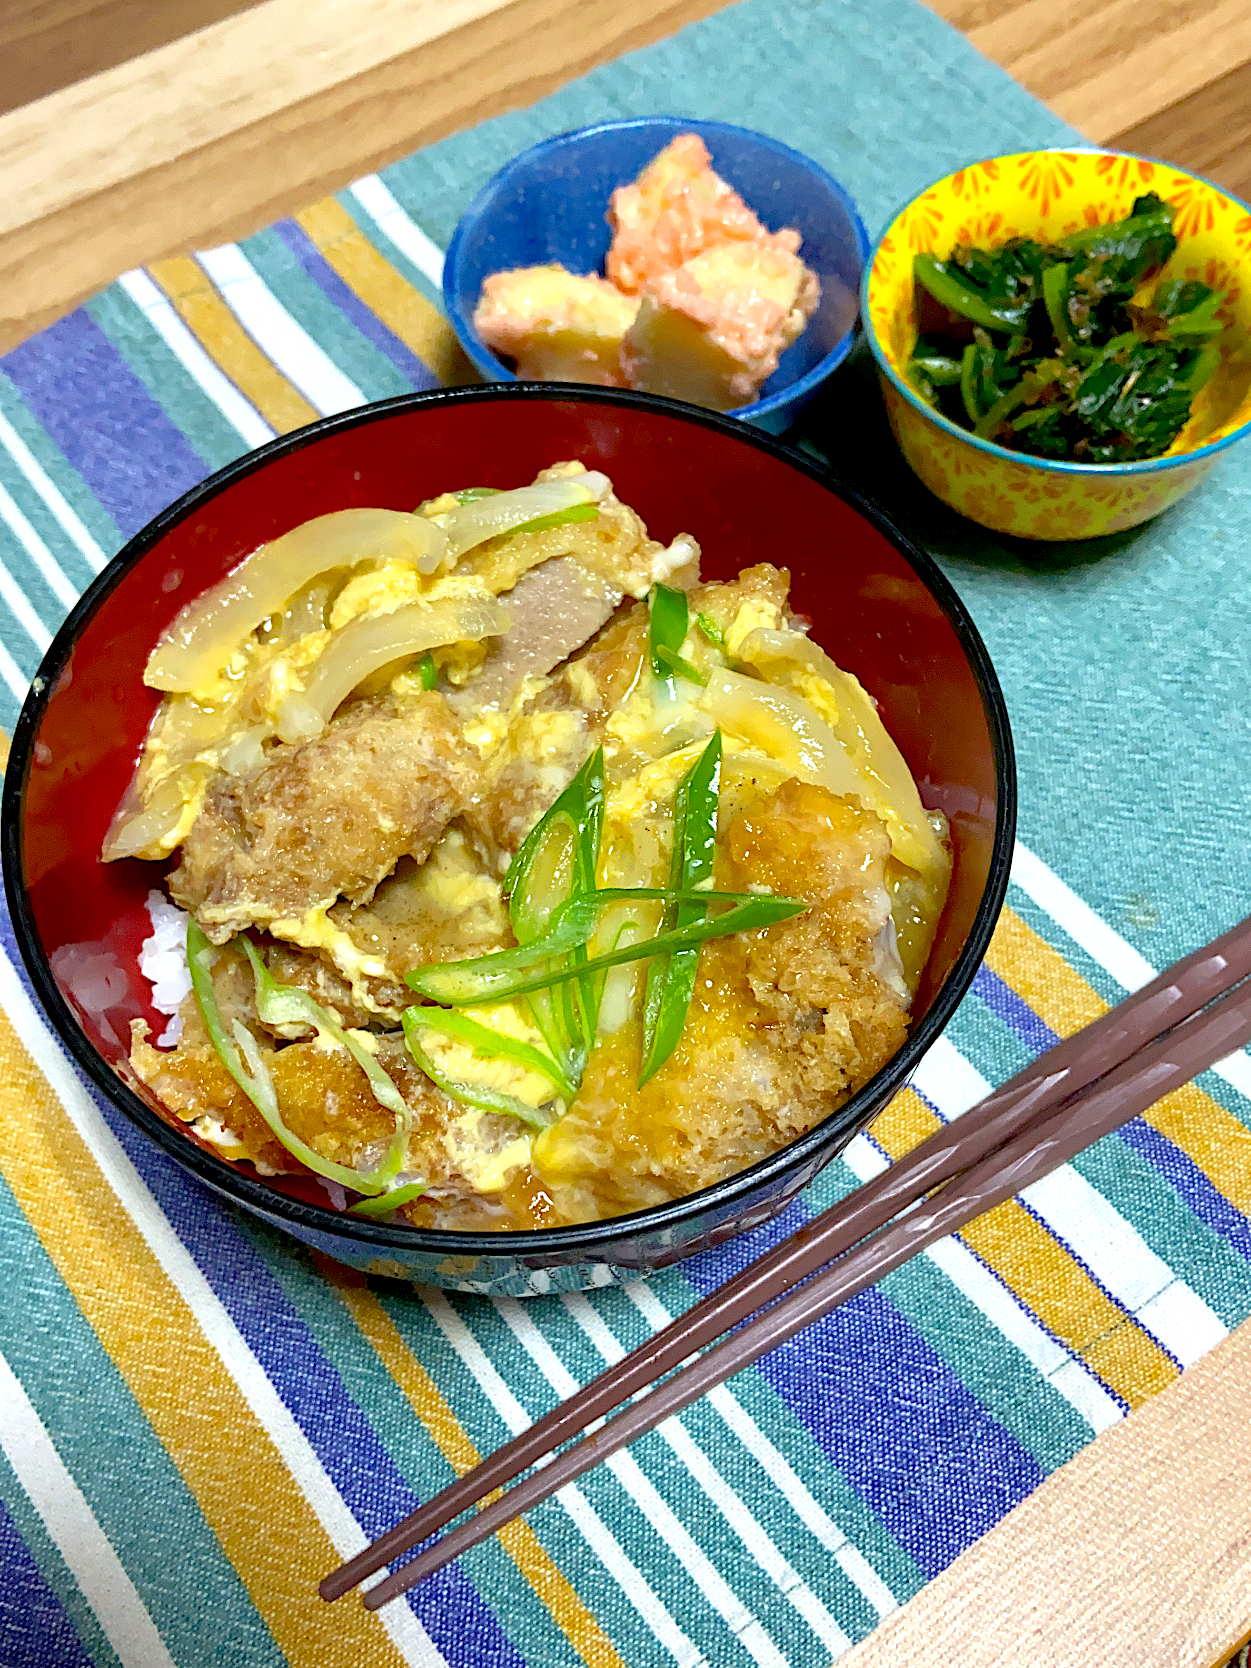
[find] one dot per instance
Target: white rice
(338, 1197)
(163, 962)
(95, 979)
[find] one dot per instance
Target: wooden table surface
(135, 129)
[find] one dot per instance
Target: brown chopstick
(1163, 1065)
(1066, 1069)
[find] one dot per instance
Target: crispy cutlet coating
(327, 818)
(784, 1024)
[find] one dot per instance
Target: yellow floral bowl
(1047, 195)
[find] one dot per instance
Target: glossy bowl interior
(550, 204)
(1047, 195)
(881, 608)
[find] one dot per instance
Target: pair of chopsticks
(1191, 1016)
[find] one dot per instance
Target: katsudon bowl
(876, 603)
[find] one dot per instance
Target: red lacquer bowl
(878, 605)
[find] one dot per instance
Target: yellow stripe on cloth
(224, 339)
(400, 306)
(1212, 1137)
(453, 1441)
(247, 1495)
(1044, 1275)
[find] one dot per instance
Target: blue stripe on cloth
(58, 467)
(1006, 1005)
(104, 420)
(35, 1631)
(1184, 1175)
(710, 1268)
(364, 318)
(902, 1428)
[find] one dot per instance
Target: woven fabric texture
(200, 1420)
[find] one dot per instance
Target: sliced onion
(487, 518)
(245, 754)
(887, 784)
(783, 726)
(372, 641)
(195, 647)
(138, 828)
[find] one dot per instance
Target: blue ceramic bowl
(550, 204)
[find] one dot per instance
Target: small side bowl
(1049, 194)
(550, 204)
(877, 603)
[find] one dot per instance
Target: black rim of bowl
(591, 1240)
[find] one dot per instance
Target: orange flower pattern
(1047, 176)
(1132, 171)
(1050, 194)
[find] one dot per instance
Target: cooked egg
(316, 931)
(751, 615)
(486, 1169)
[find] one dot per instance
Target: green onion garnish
(557, 518)
(389, 1201)
(285, 1005)
(556, 861)
(509, 973)
(671, 979)
(711, 630)
(491, 1043)
(676, 667)
(427, 671)
(670, 616)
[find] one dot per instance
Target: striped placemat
(200, 1419)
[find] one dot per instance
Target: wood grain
(192, 144)
(46, 44)
(187, 96)
(1116, 67)
(1211, 130)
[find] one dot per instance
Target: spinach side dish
(1068, 350)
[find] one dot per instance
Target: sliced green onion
(556, 861)
(676, 667)
(427, 671)
(670, 616)
(711, 630)
(509, 973)
(671, 980)
(257, 1084)
(580, 810)
(471, 495)
(391, 1200)
(491, 515)
(488, 1042)
(558, 518)
(289, 1005)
